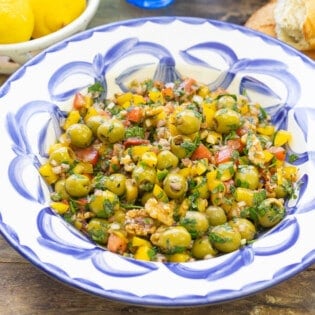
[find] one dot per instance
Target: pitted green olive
(166, 159)
(175, 185)
(195, 222)
(226, 101)
(111, 131)
(104, 203)
(78, 185)
(116, 183)
(270, 212)
(60, 189)
(182, 146)
(62, 155)
(187, 122)
(247, 176)
(225, 238)
(94, 122)
(98, 230)
(145, 177)
(226, 120)
(202, 248)
(216, 215)
(172, 239)
(245, 227)
(80, 135)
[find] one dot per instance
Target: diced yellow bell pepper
(90, 113)
(73, 118)
(138, 99)
(179, 257)
(266, 130)
(156, 97)
(88, 101)
(244, 194)
(267, 156)
(186, 172)
(281, 137)
(124, 98)
(137, 241)
(203, 91)
(208, 111)
(290, 172)
(46, 171)
(199, 168)
(159, 193)
(213, 137)
(225, 171)
(83, 168)
(59, 207)
(143, 253)
(149, 158)
(137, 151)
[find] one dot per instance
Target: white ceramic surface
(12, 56)
(219, 54)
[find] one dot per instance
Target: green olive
(247, 176)
(195, 222)
(62, 155)
(175, 185)
(78, 185)
(145, 177)
(225, 238)
(116, 183)
(60, 189)
(166, 159)
(172, 239)
(98, 230)
(94, 122)
(187, 122)
(111, 131)
(200, 187)
(202, 248)
(246, 228)
(80, 135)
(270, 212)
(226, 120)
(226, 101)
(182, 146)
(104, 203)
(216, 215)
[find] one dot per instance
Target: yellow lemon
(52, 15)
(16, 21)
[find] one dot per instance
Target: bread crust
(309, 23)
(263, 19)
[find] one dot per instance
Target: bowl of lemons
(29, 26)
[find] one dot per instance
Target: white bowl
(12, 56)
(238, 59)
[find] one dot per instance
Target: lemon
(52, 15)
(17, 21)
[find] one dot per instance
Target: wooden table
(27, 290)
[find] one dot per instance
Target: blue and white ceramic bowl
(216, 53)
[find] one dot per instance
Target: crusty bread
(295, 23)
(276, 19)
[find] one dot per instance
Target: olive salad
(169, 172)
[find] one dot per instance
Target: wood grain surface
(26, 290)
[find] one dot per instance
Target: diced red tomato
(223, 155)
(168, 93)
(201, 152)
(79, 101)
(135, 141)
(236, 144)
(188, 85)
(89, 155)
(278, 152)
(135, 114)
(116, 243)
